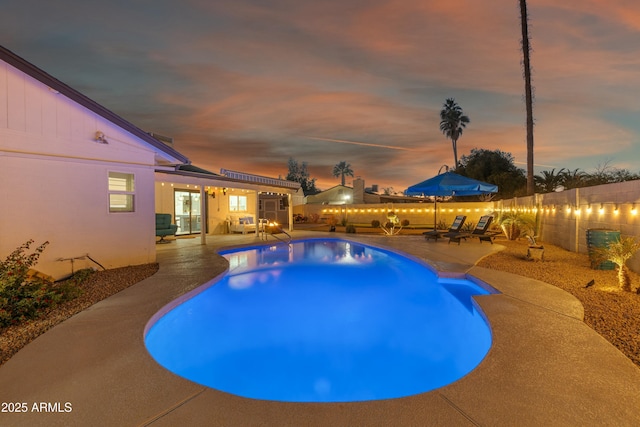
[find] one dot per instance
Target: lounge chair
(481, 232)
(455, 228)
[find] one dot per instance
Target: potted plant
(535, 252)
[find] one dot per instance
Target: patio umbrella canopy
(450, 184)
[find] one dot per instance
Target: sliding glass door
(187, 211)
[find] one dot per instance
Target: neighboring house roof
(333, 195)
(339, 187)
(46, 79)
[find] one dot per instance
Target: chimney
(358, 191)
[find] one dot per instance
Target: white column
(257, 214)
(203, 216)
(290, 211)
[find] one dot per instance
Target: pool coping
(545, 366)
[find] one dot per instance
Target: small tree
(299, 173)
(619, 252)
(495, 167)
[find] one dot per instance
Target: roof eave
(163, 150)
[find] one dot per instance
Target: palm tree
(573, 179)
(619, 252)
(549, 181)
(452, 123)
(528, 90)
(342, 169)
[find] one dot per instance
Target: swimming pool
(323, 320)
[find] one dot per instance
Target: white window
(238, 203)
(121, 192)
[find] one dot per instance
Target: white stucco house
(79, 176)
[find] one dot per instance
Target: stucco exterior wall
(54, 180)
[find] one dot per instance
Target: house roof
(195, 169)
(46, 79)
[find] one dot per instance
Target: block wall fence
(564, 216)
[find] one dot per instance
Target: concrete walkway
(546, 367)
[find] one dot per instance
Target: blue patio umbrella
(450, 184)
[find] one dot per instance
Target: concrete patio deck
(546, 367)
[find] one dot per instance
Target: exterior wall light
(101, 138)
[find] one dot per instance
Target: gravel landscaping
(612, 313)
(100, 285)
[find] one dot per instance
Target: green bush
(24, 296)
(350, 228)
(81, 276)
(375, 223)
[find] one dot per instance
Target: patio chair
(481, 232)
(164, 227)
(455, 228)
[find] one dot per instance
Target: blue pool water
(324, 321)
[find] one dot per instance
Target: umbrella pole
(435, 210)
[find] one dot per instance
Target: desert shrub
(343, 222)
(24, 296)
(468, 227)
(404, 222)
(350, 228)
(442, 225)
(81, 276)
(389, 224)
(517, 224)
(375, 223)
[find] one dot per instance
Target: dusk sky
(246, 84)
